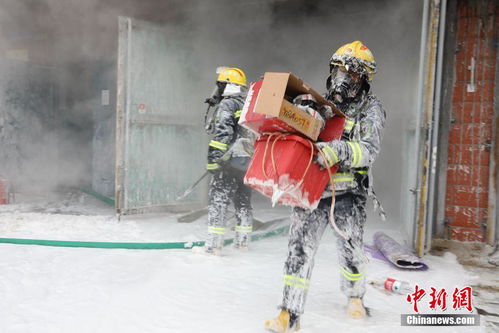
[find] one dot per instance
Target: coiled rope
(313, 147)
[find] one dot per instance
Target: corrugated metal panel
(160, 146)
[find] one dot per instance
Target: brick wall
(472, 114)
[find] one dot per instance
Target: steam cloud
(57, 55)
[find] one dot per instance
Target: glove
(211, 101)
(213, 168)
(331, 157)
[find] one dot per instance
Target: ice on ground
(51, 289)
(79, 217)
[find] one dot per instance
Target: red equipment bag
(333, 129)
(282, 169)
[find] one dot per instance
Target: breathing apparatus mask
(216, 95)
(344, 85)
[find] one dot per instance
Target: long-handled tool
(191, 188)
(222, 159)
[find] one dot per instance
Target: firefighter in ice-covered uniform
(352, 68)
(229, 153)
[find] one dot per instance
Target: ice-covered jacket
(229, 139)
(359, 146)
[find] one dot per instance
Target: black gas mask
(216, 96)
(344, 86)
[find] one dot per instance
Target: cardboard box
(258, 122)
(268, 106)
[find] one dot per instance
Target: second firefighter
(229, 153)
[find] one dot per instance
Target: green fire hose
(132, 246)
(127, 245)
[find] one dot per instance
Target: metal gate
(159, 150)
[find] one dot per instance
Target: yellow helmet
(357, 57)
(232, 74)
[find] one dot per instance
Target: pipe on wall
(492, 235)
(432, 187)
(426, 127)
(419, 108)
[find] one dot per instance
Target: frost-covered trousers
(226, 186)
(306, 231)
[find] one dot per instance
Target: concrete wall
(28, 124)
(104, 125)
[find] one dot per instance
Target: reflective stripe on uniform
(294, 281)
(351, 276)
(349, 125)
(347, 176)
(216, 230)
(244, 228)
(331, 156)
(357, 153)
(237, 114)
(218, 145)
(343, 177)
(212, 166)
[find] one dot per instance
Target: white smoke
(71, 46)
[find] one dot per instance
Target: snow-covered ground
(56, 289)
